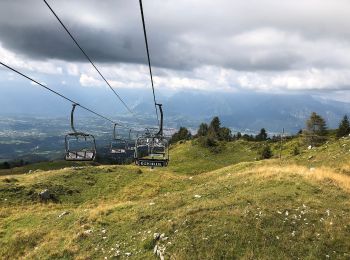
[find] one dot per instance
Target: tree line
(212, 135)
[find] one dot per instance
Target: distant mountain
(252, 111)
(240, 111)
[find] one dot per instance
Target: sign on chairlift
(151, 162)
(118, 150)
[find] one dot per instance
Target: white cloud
(90, 81)
(72, 69)
(312, 79)
(19, 62)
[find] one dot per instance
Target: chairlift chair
(84, 145)
(131, 143)
(118, 146)
(152, 149)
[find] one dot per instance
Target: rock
(151, 203)
(197, 196)
(162, 236)
(161, 257)
(155, 250)
(63, 214)
(30, 171)
(310, 157)
(128, 254)
(309, 147)
(45, 194)
(156, 236)
(312, 169)
(88, 232)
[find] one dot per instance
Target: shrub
(296, 151)
(182, 134)
(266, 152)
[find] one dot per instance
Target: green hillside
(205, 205)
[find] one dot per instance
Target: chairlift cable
(148, 57)
(59, 94)
(85, 54)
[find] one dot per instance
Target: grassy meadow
(205, 205)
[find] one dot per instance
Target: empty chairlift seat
(79, 146)
(152, 149)
(118, 145)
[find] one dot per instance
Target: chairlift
(118, 146)
(152, 149)
(84, 145)
(131, 143)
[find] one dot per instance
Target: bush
(182, 134)
(207, 141)
(266, 153)
(295, 151)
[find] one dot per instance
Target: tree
(262, 136)
(316, 125)
(182, 134)
(225, 134)
(215, 125)
(344, 127)
(316, 130)
(266, 152)
(239, 135)
(203, 129)
(6, 165)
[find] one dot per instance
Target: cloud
(241, 35)
(205, 45)
(313, 79)
(90, 81)
(12, 59)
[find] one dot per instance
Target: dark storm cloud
(242, 35)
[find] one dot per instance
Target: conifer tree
(344, 127)
(215, 125)
(262, 136)
(316, 130)
(203, 129)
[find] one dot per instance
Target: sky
(223, 45)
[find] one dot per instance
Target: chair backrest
(84, 148)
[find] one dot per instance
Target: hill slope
(208, 207)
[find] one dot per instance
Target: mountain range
(240, 111)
